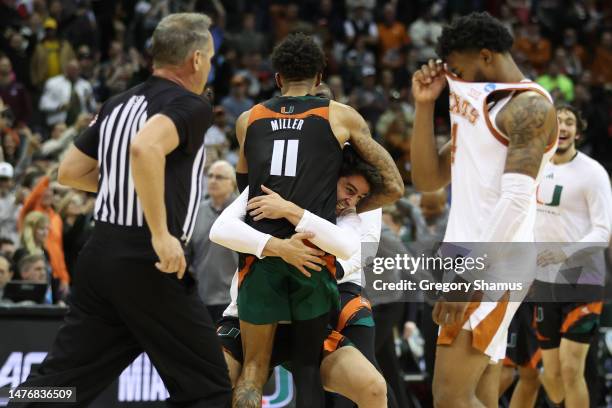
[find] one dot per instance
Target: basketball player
(292, 144)
(354, 319)
(503, 132)
(523, 354)
(574, 206)
(144, 156)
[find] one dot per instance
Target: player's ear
(487, 56)
(319, 79)
(279, 80)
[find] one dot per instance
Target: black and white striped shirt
(108, 140)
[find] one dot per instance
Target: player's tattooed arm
(530, 122)
(241, 128)
(376, 155)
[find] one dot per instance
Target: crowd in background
(61, 59)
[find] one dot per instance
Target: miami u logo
(556, 197)
(287, 112)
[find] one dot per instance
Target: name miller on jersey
(280, 124)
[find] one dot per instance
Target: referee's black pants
(120, 306)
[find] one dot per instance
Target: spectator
(248, 40)
(214, 265)
(533, 46)
(431, 223)
(575, 52)
(66, 96)
(20, 56)
(602, 64)
(118, 70)
(17, 145)
(394, 129)
(81, 29)
(337, 88)
(360, 25)
(328, 21)
(14, 94)
(357, 59)
(568, 65)
(61, 137)
(391, 33)
(368, 99)
(424, 33)
(6, 274)
(33, 268)
(87, 63)
(33, 236)
(77, 215)
(215, 139)
(7, 247)
(51, 56)
(251, 72)
(553, 80)
(237, 101)
(9, 207)
(41, 200)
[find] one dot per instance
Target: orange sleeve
(32, 202)
(55, 248)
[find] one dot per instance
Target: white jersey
(575, 206)
(574, 202)
(478, 157)
(369, 235)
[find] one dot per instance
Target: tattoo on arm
(377, 156)
(528, 122)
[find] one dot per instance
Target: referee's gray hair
(178, 35)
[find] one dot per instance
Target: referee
(144, 156)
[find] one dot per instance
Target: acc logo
(490, 87)
(284, 111)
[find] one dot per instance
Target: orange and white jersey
(478, 157)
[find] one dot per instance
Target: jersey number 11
(276, 167)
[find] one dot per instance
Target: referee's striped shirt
(108, 140)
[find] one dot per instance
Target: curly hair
(473, 33)
(298, 57)
(353, 164)
(581, 123)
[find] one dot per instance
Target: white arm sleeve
(370, 226)
(340, 240)
(517, 194)
(599, 201)
(230, 230)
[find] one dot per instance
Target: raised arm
(530, 122)
(345, 119)
(430, 166)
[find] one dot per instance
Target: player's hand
(551, 257)
(170, 253)
(428, 82)
(449, 313)
(270, 205)
(295, 252)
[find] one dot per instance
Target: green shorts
(271, 291)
